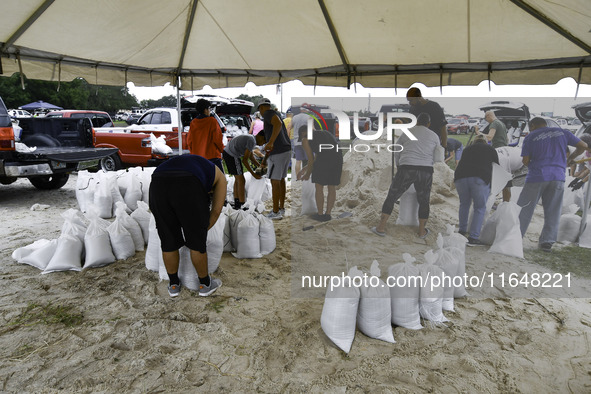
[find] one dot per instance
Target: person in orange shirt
(205, 135)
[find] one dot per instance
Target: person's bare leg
(507, 194)
(171, 261)
(422, 224)
(276, 193)
(239, 183)
(319, 196)
(330, 198)
(381, 227)
(199, 261)
(283, 191)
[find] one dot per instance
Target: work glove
(573, 182)
(577, 185)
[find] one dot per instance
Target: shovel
(341, 216)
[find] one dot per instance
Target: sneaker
(464, 233)
(546, 247)
(281, 212)
(474, 242)
(326, 217)
(214, 284)
(275, 216)
(174, 290)
(427, 232)
(376, 232)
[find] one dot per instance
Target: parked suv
(98, 118)
(19, 113)
(457, 126)
(583, 113)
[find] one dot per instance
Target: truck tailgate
(67, 154)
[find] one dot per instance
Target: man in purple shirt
(545, 151)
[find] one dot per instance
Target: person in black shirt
(472, 178)
(325, 164)
(418, 105)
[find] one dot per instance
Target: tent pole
(178, 110)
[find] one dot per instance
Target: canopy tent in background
(227, 43)
(39, 105)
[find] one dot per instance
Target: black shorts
(180, 206)
(233, 164)
(328, 169)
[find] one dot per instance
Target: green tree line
(77, 94)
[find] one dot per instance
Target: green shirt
(500, 137)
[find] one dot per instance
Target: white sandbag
(408, 213)
(489, 229)
(585, 239)
(133, 193)
(374, 315)
(227, 211)
(235, 216)
(74, 223)
(308, 198)
(508, 240)
(24, 251)
(457, 241)
(568, 227)
(36, 254)
(404, 296)
(123, 177)
(142, 216)
(159, 146)
(256, 188)
(85, 185)
(121, 240)
(571, 196)
(267, 238)
(248, 244)
(97, 245)
(454, 239)
(445, 259)
(431, 291)
(103, 199)
(111, 179)
(215, 243)
(146, 180)
(268, 191)
(230, 188)
(339, 313)
(67, 256)
(130, 225)
(153, 251)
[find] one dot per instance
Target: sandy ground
(253, 335)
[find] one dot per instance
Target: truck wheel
(50, 182)
(111, 163)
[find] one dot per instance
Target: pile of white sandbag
(87, 242)
(502, 231)
(103, 190)
(411, 292)
(569, 225)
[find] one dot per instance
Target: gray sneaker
(275, 216)
(214, 284)
(281, 212)
(174, 290)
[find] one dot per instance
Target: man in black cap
(279, 149)
(419, 104)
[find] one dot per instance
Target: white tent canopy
(227, 43)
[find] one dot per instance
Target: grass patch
(564, 260)
(48, 314)
(217, 306)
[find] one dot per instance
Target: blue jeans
(551, 193)
(472, 190)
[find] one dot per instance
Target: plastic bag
(508, 240)
(67, 256)
(142, 216)
(408, 213)
(121, 240)
(130, 225)
(159, 146)
(248, 243)
(568, 227)
(267, 238)
(405, 295)
(308, 198)
(374, 314)
(339, 313)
